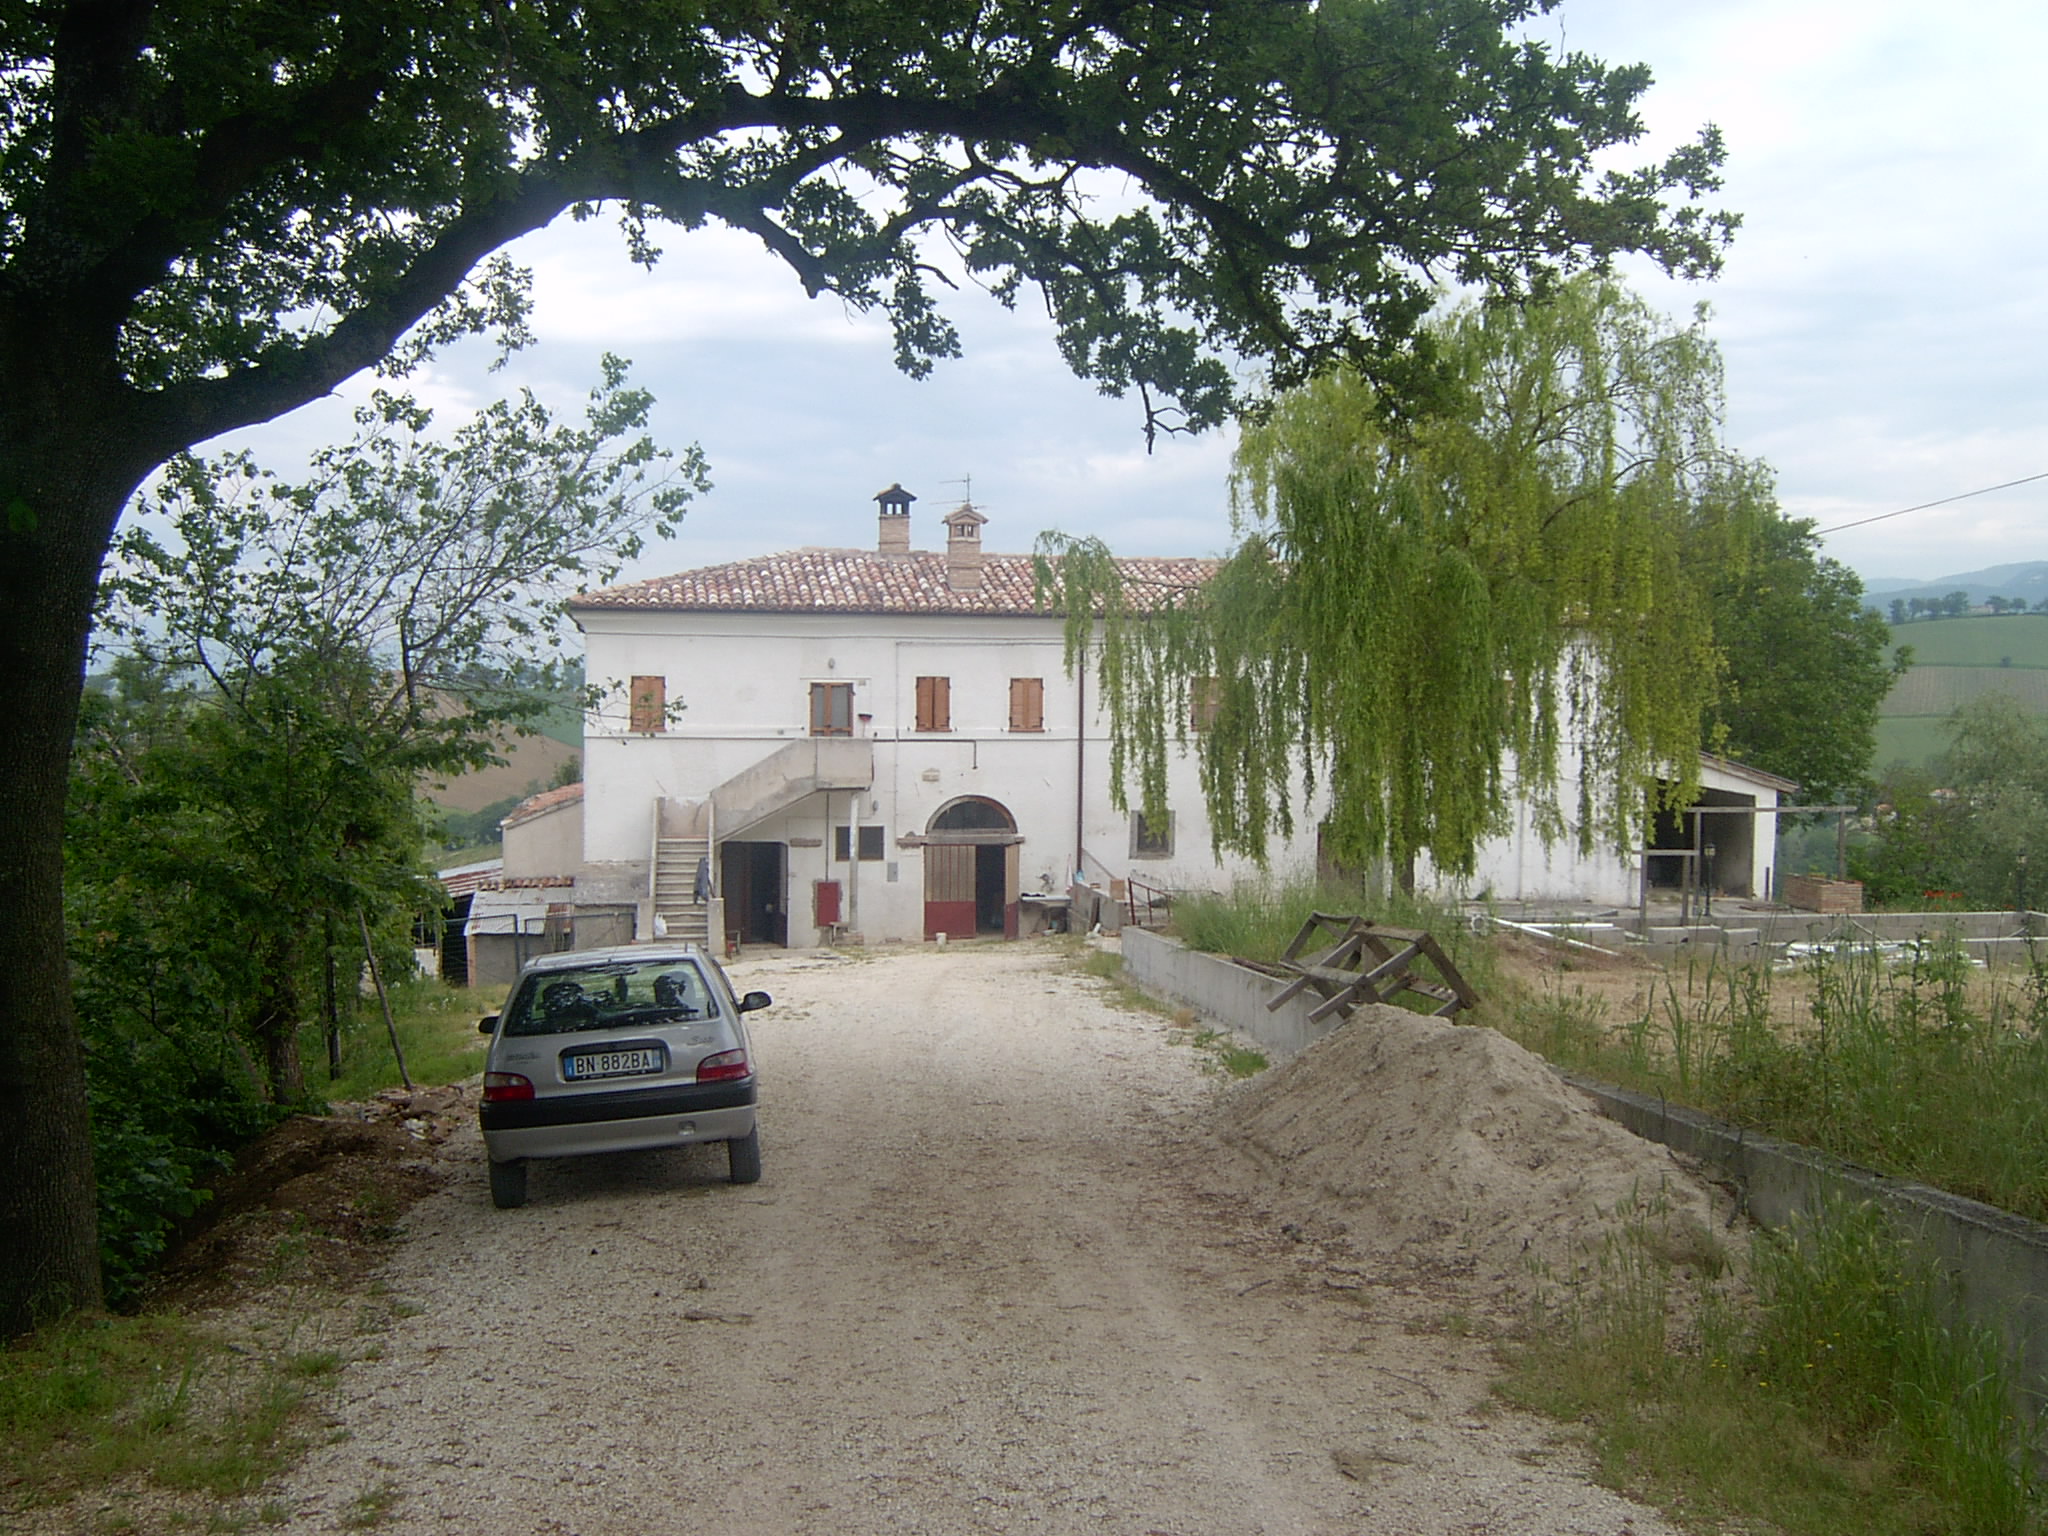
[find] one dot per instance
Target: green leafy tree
(245, 789)
(172, 1083)
(214, 211)
(1807, 665)
(356, 635)
(1417, 611)
(1977, 824)
(248, 822)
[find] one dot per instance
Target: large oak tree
(214, 211)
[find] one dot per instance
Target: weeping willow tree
(1434, 620)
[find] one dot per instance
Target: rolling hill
(2027, 579)
(1955, 661)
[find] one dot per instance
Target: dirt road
(989, 1283)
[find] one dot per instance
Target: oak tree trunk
(65, 474)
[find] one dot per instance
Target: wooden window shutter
(648, 703)
(831, 709)
(1027, 703)
(935, 704)
(1205, 702)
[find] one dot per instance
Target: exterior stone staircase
(687, 919)
(686, 832)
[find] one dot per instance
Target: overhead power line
(1923, 506)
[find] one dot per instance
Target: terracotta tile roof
(546, 800)
(862, 581)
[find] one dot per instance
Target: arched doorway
(970, 870)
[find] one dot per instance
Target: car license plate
(610, 1064)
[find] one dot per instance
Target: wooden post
(390, 1024)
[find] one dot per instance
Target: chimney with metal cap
(895, 520)
(963, 548)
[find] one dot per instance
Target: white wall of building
(745, 683)
(1521, 866)
(546, 844)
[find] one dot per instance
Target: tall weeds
(1916, 1065)
(1843, 1398)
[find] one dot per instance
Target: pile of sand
(1450, 1151)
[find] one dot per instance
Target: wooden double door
(970, 888)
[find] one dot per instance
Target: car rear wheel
(508, 1184)
(744, 1156)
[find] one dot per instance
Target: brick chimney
(963, 548)
(895, 520)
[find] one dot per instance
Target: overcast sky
(1882, 317)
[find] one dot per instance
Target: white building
(880, 741)
(1726, 842)
(887, 742)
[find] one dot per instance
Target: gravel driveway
(991, 1281)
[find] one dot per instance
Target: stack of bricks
(1817, 893)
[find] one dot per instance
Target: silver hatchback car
(616, 1050)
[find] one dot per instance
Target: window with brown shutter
(1027, 703)
(935, 704)
(831, 709)
(1205, 699)
(648, 703)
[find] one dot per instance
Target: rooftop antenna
(966, 484)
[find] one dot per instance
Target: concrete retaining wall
(1233, 995)
(1998, 1261)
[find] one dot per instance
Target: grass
(1834, 1391)
(1107, 967)
(1841, 1398)
(114, 1402)
(436, 1026)
(1925, 1068)
(1258, 921)
(1227, 1055)
(1955, 660)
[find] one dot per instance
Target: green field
(564, 723)
(1938, 691)
(1984, 640)
(1955, 661)
(1913, 739)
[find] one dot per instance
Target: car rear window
(618, 995)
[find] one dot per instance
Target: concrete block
(1235, 996)
(1998, 1261)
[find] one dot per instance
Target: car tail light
(502, 1087)
(723, 1067)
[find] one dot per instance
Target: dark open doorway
(755, 880)
(989, 889)
(1715, 837)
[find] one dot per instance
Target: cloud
(710, 286)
